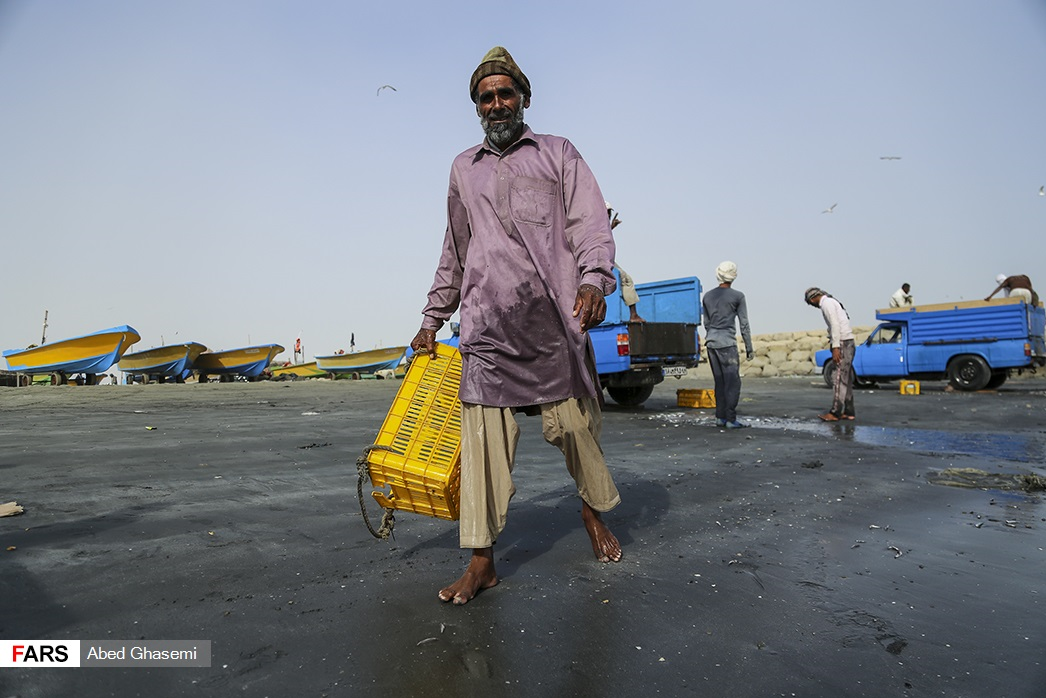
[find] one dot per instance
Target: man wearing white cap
(722, 309)
(1017, 285)
(999, 278)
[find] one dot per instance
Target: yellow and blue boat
(249, 362)
(90, 354)
(170, 361)
(363, 362)
(295, 371)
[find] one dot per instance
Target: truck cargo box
(968, 321)
(673, 300)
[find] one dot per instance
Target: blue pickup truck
(972, 344)
(633, 357)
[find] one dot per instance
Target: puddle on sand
(1013, 447)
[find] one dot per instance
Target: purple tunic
(525, 229)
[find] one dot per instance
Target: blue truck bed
(674, 300)
(632, 357)
(970, 321)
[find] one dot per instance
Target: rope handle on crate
(388, 518)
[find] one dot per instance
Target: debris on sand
(979, 479)
(1033, 483)
(10, 509)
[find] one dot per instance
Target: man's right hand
(425, 341)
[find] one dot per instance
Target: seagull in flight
(384, 86)
(830, 209)
(890, 157)
(1042, 190)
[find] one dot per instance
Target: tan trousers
(488, 449)
(628, 287)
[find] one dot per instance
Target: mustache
(501, 133)
(502, 113)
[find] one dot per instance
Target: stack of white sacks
(785, 353)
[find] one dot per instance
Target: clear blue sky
(226, 173)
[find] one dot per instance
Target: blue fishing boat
(361, 363)
(171, 361)
(249, 362)
(90, 354)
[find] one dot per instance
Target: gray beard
(503, 135)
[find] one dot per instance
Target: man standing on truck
(1018, 285)
(723, 308)
(902, 297)
(528, 257)
(628, 286)
(841, 340)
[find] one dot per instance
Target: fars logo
(26, 654)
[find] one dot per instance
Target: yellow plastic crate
(423, 430)
(910, 388)
(695, 398)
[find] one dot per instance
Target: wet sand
(793, 558)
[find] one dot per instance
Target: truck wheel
(968, 372)
(829, 373)
(997, 379)
(863, 383)
(632, 395)
(829, 377)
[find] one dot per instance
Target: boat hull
(362, 362)
(168, 361)
(90, 354)
(306, 370)
(249, 362)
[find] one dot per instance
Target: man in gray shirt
(722, 309)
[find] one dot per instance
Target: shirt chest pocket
(532, 201)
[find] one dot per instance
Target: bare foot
(478, 576)
(604, 544)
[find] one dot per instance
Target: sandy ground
(793, 558)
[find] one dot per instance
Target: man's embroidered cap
(498, 61)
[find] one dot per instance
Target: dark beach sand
(793, 558)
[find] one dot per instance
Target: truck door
(883, 354)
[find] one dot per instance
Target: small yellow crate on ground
(695, 398)
(422, 432)
(910, 388)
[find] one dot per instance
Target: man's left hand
(590, 306)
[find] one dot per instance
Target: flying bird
(1042, 190)
(830, 209)
(890, 157)
(384, 86)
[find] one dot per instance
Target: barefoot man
(527, 260)
(841, 339)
